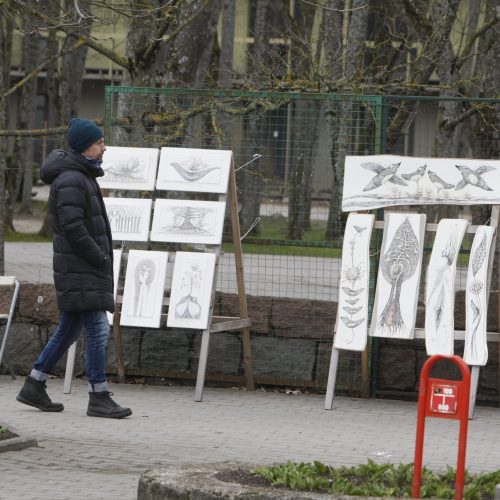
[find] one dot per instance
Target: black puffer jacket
(83, 255)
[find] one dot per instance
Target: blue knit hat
(82, 134)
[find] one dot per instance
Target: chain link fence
(289, 151)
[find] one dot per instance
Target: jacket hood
(59, 161)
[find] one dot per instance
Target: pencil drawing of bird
(473, 177)
(438, 182)
(384, 175)
(416, 175)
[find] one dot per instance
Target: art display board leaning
(404, 181)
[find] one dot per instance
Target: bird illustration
(438, 182)
(416, 175)
(473, 177)
(384, 174)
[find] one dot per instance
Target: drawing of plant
(188, 307)
(144, 276)
(475, 288)
(351, 274)
(398, 264)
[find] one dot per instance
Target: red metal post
(442, 399)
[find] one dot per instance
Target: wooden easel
(216, 323)
(420, 332)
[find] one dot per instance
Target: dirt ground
(31, 223)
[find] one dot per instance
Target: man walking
(83, 269)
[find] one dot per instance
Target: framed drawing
(383, 180)
(476, 299)
(440, 287)
(129, 168)
(117, 260)
(191, 292)
(129, 218)
(201, 170)
(143, 290)
(185, 221)
(352, 316)
(396, 295)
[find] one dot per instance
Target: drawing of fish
(193, 172)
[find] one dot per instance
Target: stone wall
(291, 342)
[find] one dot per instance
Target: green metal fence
(289, 150)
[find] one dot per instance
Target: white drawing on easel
(440, 287)
(129, 168)
(395, 306)
(117, 259)
(201, 170)
(191, 292)
(129, 218)
(188, 221)
(352, 329)
(378, 181)
(476, 298)
(143, 289)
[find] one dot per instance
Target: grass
(380, 480)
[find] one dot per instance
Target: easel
(420, 332)
(216, 323)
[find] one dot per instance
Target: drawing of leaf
(352, 310)
(475, 310)
(351, 292)
(352, 301)
(351, 323)
(479, 256)
(400, 261)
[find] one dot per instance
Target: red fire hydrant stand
(442, 398)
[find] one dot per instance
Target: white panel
(385, 180)
(129, 168)
(144, 287)
(117, 260)
(129, 218)
(440, 287)
(187, 221)
(476, 299)
(201, 170)
(352, 316)
(191, 292)
(395, 306)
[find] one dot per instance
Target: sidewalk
(81, 457)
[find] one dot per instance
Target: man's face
(95, 151)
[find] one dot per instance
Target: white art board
(143, 289)
(398, 280)
(129, 168)
(129, 218)
(117, 260)
(383, 180)
(200, 170)
(440, 287)
(191, 292)
(476, 298)
(352, 316)
(187, 221)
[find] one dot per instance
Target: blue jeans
(71, 324)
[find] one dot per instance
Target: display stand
(420, 332)
(216, 323)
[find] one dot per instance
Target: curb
(195, 482)
(17, 443)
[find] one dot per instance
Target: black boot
(101, 405)
(34, 394)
